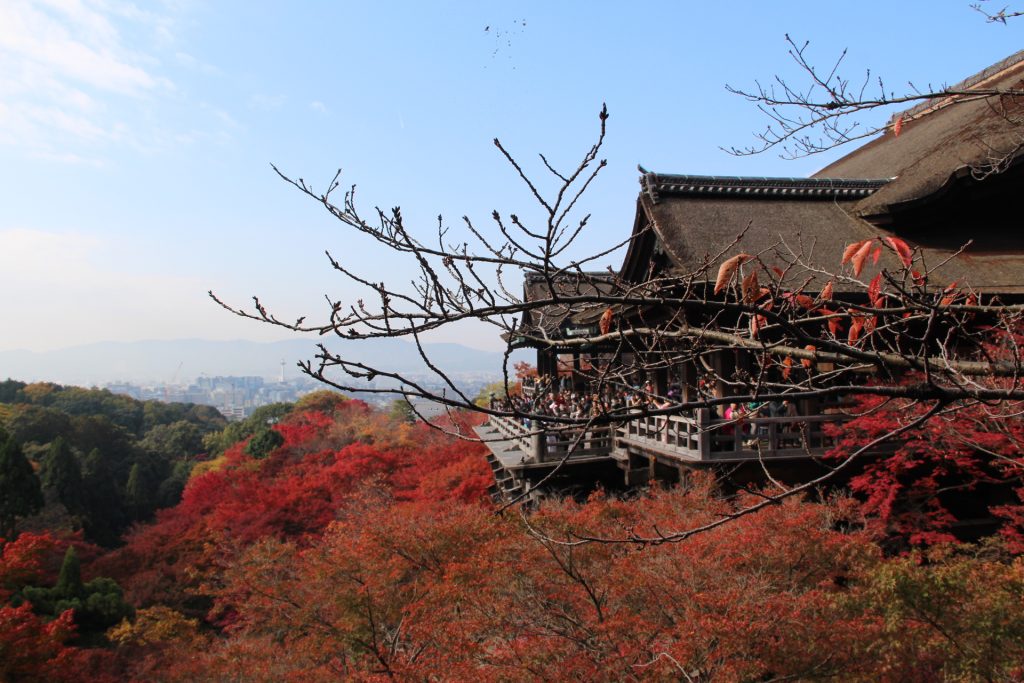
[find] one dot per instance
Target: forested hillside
(329, 541)
(104, 461)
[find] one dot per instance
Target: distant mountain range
(180, 360)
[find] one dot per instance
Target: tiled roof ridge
(756, 187)
(966, 84)
(567, 275)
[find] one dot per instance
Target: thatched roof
(931, 186)
(691, 230)
(940, 141)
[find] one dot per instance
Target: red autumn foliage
(856, 325)
(31, 559)
(807, 362)
(359, 550)
(294, 493)
(34, 559)
(524, 370)
(28, 644)
(902, 249)
(605, 323)
(860, 257)
(959, 466)
(875, 291)
(33, 649)
(857, 253)
(424, 589)
(826, 291)
(750, 288)
(850, 250)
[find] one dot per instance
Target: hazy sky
(135, 139)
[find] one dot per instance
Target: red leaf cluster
(292, 494)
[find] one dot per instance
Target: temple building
(943, 177)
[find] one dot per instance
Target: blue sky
(135, 139)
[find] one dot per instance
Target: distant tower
(281, 378)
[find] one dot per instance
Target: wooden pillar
(544, 363)
(540, 445)
(724, 363)
(689, 381)
(661, 381)
(703, 435)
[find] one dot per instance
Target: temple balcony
(698, 438)
(524, 446)
(704, 439)
(646, 447)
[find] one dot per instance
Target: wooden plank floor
(505, 450)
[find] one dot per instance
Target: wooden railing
(703, 438)
(700, 437)
(673, 432)
(544, 444)
(514, 430)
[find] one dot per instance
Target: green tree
(69, 582)
(206, 418)
(169, 492)
(495, 390)
(37, 423)
(61, 473)
(324, 400)
(10, 391)
(104, 510)
(20, 493)
(263, 442)
(97, 605)
(401, 410)
(173, 441)
(123, 411)
(217, 442)
(116, 443)
(139, 491)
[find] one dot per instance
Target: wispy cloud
(318, 106)
(77, 75)
(71, 43)
(191, 62)
(267, 102)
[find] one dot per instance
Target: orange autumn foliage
(364, 550)
(420, 589)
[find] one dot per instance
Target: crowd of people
(548, 398)
(544, 397)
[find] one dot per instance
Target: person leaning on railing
(794, 428)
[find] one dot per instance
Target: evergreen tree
(402, 411)
(69, 582)
(263, 442)
(61, 473)
(20, 493)
(104, 509)
(168, 494)
(139, 492)
(97, 605)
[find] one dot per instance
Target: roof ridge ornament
(759, 187)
